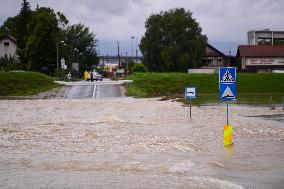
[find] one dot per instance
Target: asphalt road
(93, 91)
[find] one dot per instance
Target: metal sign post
(227, 114)
(228, 91)
(190, 108)
(190, 92)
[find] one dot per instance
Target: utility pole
(118, 54)
(136, 51)
(126, 63)
(57, 57)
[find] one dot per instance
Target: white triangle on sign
(228, 93)
(227, 77)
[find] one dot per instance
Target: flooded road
(137, 143)
(93, 91)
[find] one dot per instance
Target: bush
(139, 68)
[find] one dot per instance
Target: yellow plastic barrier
(228, 135)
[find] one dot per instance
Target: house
(8, 46)
(261, 58)
(214, 58)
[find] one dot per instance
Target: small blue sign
(228, 91)
(227, 75)
(190, 92)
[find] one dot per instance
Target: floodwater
(137, 143)
(93, 91)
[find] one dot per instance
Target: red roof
(261, 51)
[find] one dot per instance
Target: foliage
(139, 68)
(250, 86)
(41, 44)
(24, 83)
(18, 27)
(39, 32)
(173, 41)
(10, 63)
(80, 46)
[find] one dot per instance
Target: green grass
(251, 87)
(24, 83)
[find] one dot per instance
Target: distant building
(104, 60)
(8, 46)
(265, 36)
(215, 58)
(261, 58)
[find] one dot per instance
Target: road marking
(94, 92)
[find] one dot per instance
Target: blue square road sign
(228, 91)
(227, 75)
(190, 92)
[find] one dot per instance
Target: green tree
(80, 46)
(173, 41)
(18, 27)
(41, 44)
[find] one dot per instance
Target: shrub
(139, 68)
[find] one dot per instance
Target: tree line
(172, 42)
(41, 32)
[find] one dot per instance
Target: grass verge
(24, 83)
(252, 88)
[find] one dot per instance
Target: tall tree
(80, 46)
(42, 41)
(173, 41)
(18, 27)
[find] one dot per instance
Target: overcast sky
(225, 22)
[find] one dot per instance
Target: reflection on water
(273, 117)
(136, 143)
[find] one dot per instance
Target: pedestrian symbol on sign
(227, 77)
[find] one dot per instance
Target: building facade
(8, 47)
(261, 58)
(265, 36)
(214, 58)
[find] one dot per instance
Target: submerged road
(93, 90)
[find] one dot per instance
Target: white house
(8, 46)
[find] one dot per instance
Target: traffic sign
(190, 92)
(228, 91)
(227, 75)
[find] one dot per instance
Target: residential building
(8, 46)
(261, 58)
(214, 58)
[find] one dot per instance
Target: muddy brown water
(136, 143)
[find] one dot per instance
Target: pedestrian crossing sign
(228, 91)
(227, 75)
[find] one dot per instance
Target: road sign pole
(190, 108)
(227, 114)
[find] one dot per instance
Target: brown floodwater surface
(137, 143)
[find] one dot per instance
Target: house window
(6, 44)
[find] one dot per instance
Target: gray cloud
(112, 20)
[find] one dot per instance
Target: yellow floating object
(228, 135)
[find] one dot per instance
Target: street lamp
(132, 37)
(57, 54)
